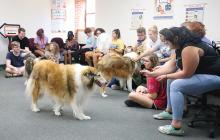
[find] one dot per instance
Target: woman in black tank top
(193, 70)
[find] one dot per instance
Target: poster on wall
(136, 18)
(58, 16)
(195, 12)
(163, 9)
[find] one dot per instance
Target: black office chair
(209, 113)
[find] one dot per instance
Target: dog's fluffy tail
(29, 64)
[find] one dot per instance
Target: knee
(132, 95)
(7, 69)
(176, 89)
(176, 85)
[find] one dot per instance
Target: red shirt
(155, 86)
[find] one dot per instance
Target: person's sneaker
(163, 116)
(8, 75)
(170, 130)
(130, 103)
(115, 87)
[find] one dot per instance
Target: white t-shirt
(103, 42)
(157, 44)
(160, 48)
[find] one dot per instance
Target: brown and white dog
(65, 84)
(120, 67)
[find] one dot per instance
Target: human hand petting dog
(161, 77)
(147, 73)
(157, 67)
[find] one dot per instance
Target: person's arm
(164, 59)
(153, 88)
(8, 64)
(27, 46)
(120, 47)
(190, 61)
(146, 52)
(27, 49)
(89, 43)
(37, 46)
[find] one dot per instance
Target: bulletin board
(58, 16)
(194, 12)
(163, 9)
(137, 16)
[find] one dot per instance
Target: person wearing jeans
(194, 69)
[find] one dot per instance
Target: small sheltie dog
(120, 67)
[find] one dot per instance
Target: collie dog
(120, 67)
(65, 84)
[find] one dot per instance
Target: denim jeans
(195, 85)
(114, 81)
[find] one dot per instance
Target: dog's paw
(83, 117)
(35, 109)
(57, 113)
(104, 95)
(87, 117)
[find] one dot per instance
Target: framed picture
(195, 12)
(163, 9)
(137, 16)
(58, 16)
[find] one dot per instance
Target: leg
(69, 58)
(129, 84)
(169, 106)
(78, 113)
(96, 58)
(65, 57)
(57, 107)
(11, 71)
(75, 55)
(88, 57)
(103, 91)
(35, 96)
(141, 99)
(15, 72)
(167, 114)
(195, 85)
(122, 83)
(21, 70)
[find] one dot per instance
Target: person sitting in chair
(187, 72)
(71, 49)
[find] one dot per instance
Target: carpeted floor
(111, 119)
